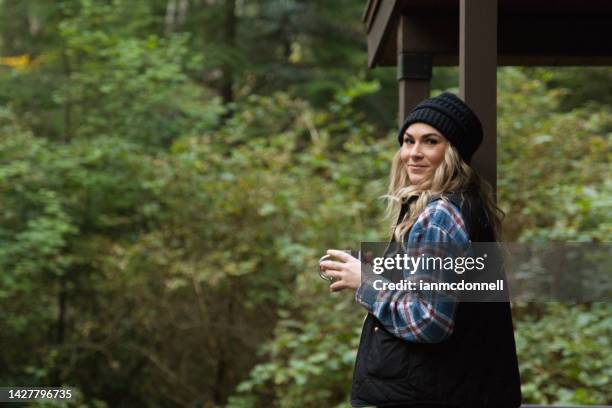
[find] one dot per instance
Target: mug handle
(321, 272)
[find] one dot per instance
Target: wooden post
(413, 68)
(478, 76)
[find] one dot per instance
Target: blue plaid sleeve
(421, 319)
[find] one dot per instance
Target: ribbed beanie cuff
(453, 118)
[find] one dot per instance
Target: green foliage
(579, 86)
(154, 230)
(158, 247)
(110, 77)
(553, 167)
(565, 355)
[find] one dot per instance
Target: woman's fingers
(337, 286)
(324, 258)
(335, 273)
(341, 255)
(332, 265)
(346, 270)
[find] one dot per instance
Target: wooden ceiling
(530, 32)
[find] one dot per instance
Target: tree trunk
(170, 13)
(227, 81)
(61, 303)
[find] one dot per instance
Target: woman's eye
(408, 141)
(431, 141)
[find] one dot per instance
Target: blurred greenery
(170, 172)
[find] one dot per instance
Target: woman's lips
(413, 167)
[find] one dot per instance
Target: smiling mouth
(414, 166)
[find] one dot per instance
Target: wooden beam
(532, 40)
(555, 35)
(543, 60)
(380, 30)
(437, 36)
(433, 34)
(369, 13)
(478, 76)
(414, 68)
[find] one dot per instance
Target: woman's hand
(347, 270)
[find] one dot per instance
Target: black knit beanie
(453, 118)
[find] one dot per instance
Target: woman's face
(422, 151)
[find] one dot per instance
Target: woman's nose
(416, 151)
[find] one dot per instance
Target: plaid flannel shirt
(421, 319)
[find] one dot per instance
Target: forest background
(171, 171)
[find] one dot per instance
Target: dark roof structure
(478, 36)
(529, 32)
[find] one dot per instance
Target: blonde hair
(452, 175)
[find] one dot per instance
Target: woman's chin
(415, 178)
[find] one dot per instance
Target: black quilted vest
(476, 367)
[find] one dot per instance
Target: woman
(425, 351)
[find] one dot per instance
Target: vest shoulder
(474, 215)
